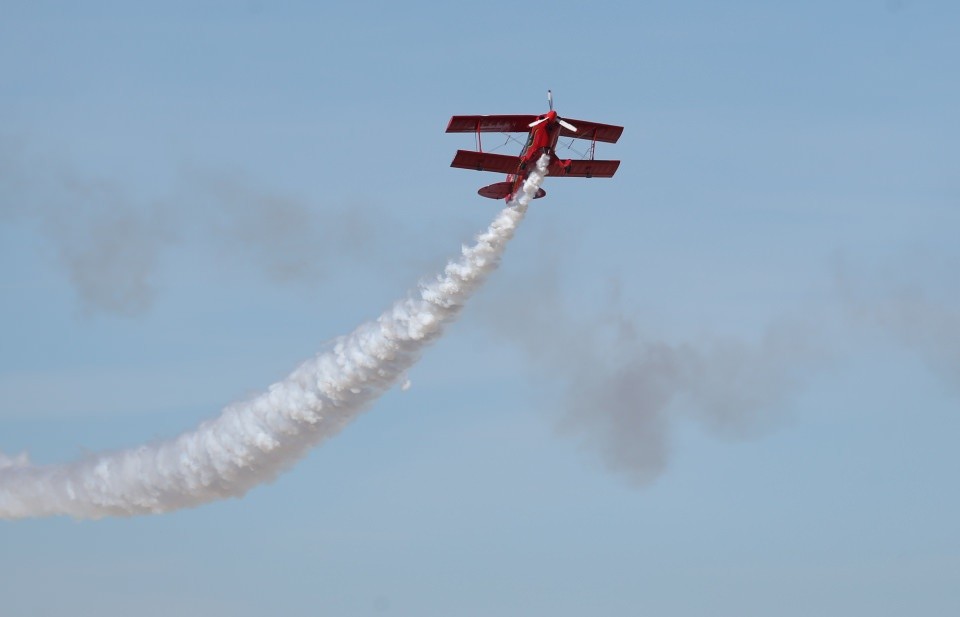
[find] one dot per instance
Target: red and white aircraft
(544, 132)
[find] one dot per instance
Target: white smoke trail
(254, 441)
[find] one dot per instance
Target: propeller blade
(567, 125)
(550, 99)
(536, 122)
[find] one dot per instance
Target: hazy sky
(724, 382)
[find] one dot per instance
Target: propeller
(560, 120)
(540, 121)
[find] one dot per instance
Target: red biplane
(544, 132)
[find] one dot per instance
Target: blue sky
(193, 199)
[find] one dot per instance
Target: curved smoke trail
(254, 441)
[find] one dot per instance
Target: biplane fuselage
(542, 139)
(543, 133)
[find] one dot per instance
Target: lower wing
(584, 169)
(485, 161)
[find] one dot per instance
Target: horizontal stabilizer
(501, 190)
(584, 169)
(485, 161)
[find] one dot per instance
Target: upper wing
(485, 161)
(490, 124)
(593, 130)
(584, 168)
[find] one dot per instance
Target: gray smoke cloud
(286, 238)
(109, 248)
(624, 390)
(628, 393)
(111, 245)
